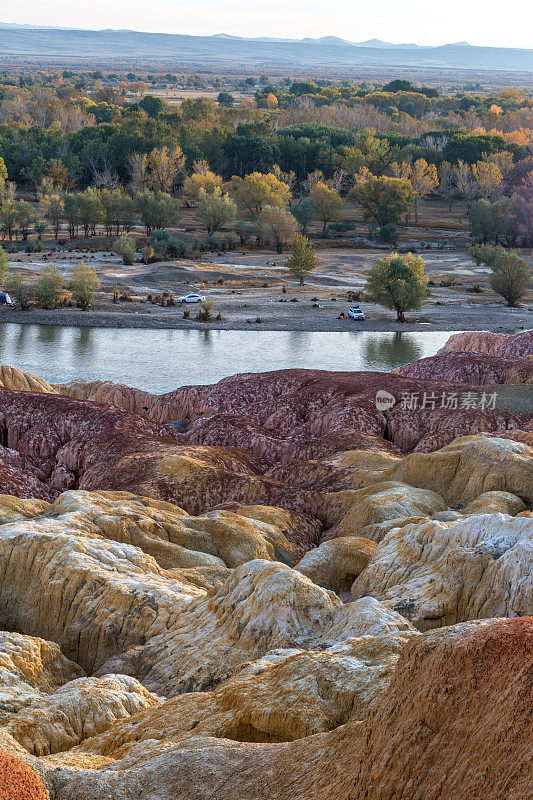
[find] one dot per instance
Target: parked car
(355, 313)
(191, 298)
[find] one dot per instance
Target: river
(161, 360)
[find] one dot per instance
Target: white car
(191, 298)
(355, 313)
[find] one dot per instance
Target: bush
(148, 254)
(20, 289)
(205, 312)
(449, 280)
(389, 233)
(342, 227)
(84, 285)
(166, 245)
(511, 277)
(48, 286)
(126, 247)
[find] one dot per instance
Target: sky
(480, 22)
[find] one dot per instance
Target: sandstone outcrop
(437, 573)
(431, 736)
(18, 781)
(243, 590)
(337, 563)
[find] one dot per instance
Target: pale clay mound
(259, 609)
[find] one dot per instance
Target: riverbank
(261, 315)
(255, 291)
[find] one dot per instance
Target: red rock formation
(467, 367)
(496, 344)
(18, 781)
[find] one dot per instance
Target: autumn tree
(464, 181)
(258, 190)
(84, 285)
(3, 264)
(398, 282)
(329, 204)
(164, 165)
(488, 179)
(277, 226)
(422, 176)
(215, 209)
(302, 259)
(383, 200)
(202, 178)
(3, 179)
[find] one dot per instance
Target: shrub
(166, 245)
(48, 286)
(20, 289)
(511, 277)
(126, 247)
(84, 285)
(389, 233)
(205, 312)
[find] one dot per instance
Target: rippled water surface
(161, 360)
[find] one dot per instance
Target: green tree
(90, 211)
(302, 259)
(277, 226)
(126, 247)
(24, 217)
(215, 209)
(225, 99)
(48, 285)
(492, 222)
(71, 212)
(157, 210)
(383, 200)
(305, 212)
(7, 217)
(511, 277)
(84, 285)
(151, 105)
(329, 203)
(398, 282)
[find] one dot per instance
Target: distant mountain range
(261, 52)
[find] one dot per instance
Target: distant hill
(224, 49)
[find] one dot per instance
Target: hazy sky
(479, 22)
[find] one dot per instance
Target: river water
(161, 360)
